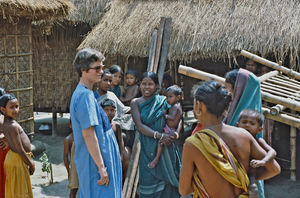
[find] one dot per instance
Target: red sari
(2, 173)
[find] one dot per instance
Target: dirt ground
(278, 187)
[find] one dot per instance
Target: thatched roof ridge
(35, 9)
(89, 11)
(201, 29)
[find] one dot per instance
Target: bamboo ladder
(276, 113)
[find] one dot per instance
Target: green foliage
(46, 166)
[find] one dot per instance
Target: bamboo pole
(276, 90)
(152, 51)
(287, 81)
(136, 182)
(287, 102)
(132, 168)
(191, 72)
(164, 49)
(287, 78)
(283, 83)
(271, 64)
(275, 110)
(283, 118)
(268, 75)
(278, 86)
(268, 90)
(159, 43)
(293, 148)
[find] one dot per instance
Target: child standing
(117, 73)
(110, 109)
(132, 89)
(17, 161)
(173, 118)
(252, 121)
(69, 152)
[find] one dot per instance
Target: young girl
(117, 73)
(17, 161)
(132, 89)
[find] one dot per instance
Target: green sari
(161, 181)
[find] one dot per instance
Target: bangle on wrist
(162, 135)
(155, 135)
(177, 134)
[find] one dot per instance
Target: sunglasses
(98, 68)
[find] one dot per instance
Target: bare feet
(153, 163)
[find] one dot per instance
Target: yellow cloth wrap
(17, 182)
(220, 157)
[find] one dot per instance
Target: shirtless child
(132, 89)
(252, 121)
(110, 109)
(173, 118)
(17, 163)
(69, 152)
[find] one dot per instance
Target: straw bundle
(89, 11)
(35, 9)
(202, 29)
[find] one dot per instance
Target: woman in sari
(147, 113)
(215, 160)
(245, 88)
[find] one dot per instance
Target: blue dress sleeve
(87, 110)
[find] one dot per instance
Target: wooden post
(54, 122)
(293, 148)
(152, 51)
(164, 49)
(131, 176)
(159, 43)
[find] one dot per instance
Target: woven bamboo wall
(54, 76)
(16, 66)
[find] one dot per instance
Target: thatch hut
(54, 47)
(206, 34)
(16, 48)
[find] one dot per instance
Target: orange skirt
(17, 182)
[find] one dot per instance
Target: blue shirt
(85, 112)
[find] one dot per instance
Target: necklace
(215, 125)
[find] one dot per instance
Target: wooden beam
(152, 51)
(283, 118)
(164, 49)
(287, 102)
(293, 139)
(285, 70)
(195, 73)
(159, 43)
(268, 75)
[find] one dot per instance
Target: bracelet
(177, 135)
(155, 135)
(162, 135)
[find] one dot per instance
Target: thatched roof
(89, 11)
(201, 28)
(35, 9)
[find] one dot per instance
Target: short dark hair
(85, 57)
(253, 113)
(5, 98)
(175, 89)
(105, 72)
(108, 102)
(132, 72)
(151, 75)
(231, 76)
(115, 69)
(214, 96)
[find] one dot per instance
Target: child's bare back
(174, 116)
